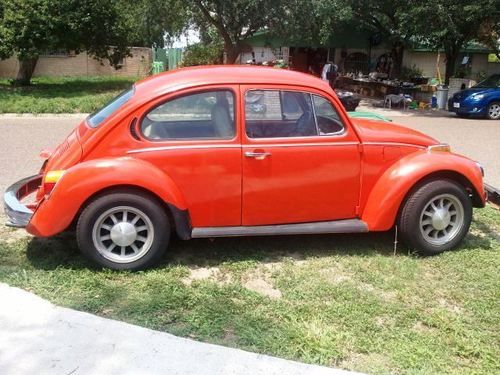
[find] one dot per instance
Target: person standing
(330, 73)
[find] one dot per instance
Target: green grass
(61, 95)
(343, 301)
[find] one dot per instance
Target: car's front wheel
(435, 217)
(494, 111)
(123, 231)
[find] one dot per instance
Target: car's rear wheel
(494, 111)
(123, 231)
(435, 217)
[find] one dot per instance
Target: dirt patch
(421, 327)
(386, 295)
(385, 321)
(367, 362)
(207, 273)
(450, 306)
(262, 287)
(335, 275)
(11, 235)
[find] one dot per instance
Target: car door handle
(257, 155)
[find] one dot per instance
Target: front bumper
(19, 214)
(467, 107)
(493, 194)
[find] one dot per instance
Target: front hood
(473, 90)
(384, 132)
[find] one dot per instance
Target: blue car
(482, 100)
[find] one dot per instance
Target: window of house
(274, 113)
(57, 53)
(204, 115)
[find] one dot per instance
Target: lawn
(61, 95)
(345, 300)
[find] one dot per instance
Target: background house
(63, 63)
(355, 52)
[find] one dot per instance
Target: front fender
(83, 180)
(385, 198)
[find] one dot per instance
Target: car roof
(224, 74)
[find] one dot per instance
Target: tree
(451, 25)
(391, 19)
(29, 28)
(236, 20)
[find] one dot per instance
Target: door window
(275, 113)
(203, 115)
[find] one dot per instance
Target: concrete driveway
(25, 136)
(40, 338)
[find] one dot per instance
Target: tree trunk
(397, 59)
(232, 52)
(451, 62)
(26, 69)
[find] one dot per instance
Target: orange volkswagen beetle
(238, 151)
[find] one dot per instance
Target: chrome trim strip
(17, 213)
(323, 227)
(208, 146)
(300, 144)
(182, 147)
(393, 144)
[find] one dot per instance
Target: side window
(274, 113)
(203, 115)
(327, 117)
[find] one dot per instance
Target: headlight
(477, 96)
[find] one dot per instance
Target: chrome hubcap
(441, 219)
(494, 111)
(123, 234)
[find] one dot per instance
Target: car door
(301, 159)
(193, 137)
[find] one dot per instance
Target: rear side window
(203, 115)
(275, 113)
(96, 118)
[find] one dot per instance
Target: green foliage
(344, 300)
(234, 21)
(410, 72)
(30, 27)
(202, 54)
(451, 25)
(61, 94)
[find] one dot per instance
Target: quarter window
(274, 113)
(204, 115)
(327, 116)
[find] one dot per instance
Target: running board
(337, 226)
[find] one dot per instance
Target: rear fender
(86, 179)
(389, 192)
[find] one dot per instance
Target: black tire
(491, 114)
(147, 205)
(409, 221)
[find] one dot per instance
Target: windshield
(95, 119)
(491, 81)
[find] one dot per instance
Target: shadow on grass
(62, 250)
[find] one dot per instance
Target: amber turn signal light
(50, 180)
(442, 147)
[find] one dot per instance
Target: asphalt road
(22, 138)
